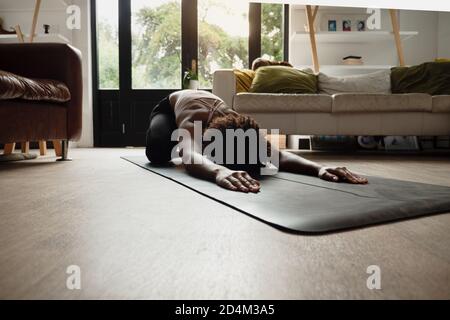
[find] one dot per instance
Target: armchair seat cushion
(13, 86)
(365, 102)
(10, 86)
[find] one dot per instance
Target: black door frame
(121, 105)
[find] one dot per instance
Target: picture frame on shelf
(346, 25)
(332, 25)
(361, 25)
(401, 143)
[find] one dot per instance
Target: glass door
(137, 56)
(142, 47)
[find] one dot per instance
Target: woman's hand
(340, 174)
(237, 181)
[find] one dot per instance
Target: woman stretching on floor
(182, 108)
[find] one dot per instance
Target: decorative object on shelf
(347, 25)
(46, 28)
(442, 142)
(401, 143)
(299, 142)
(3, 31)
(426, 142)
(360, 25)
(332, 25)
(334, 143)
(352, 60)
(190, 79)
(369, 142)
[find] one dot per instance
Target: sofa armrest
(224, 85)
(57, 61)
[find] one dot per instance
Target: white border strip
(428, 5)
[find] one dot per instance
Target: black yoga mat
(310, 205)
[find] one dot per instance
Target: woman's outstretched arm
(290, 162)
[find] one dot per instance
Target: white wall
(418, 49)
(53, 12)
(422, 47)
(444, 35)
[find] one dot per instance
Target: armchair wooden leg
(64, 151)
(57, 147)
(43, 147)
(25, 146)
(9, 148)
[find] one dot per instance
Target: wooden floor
(137, 235)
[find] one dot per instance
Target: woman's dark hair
(260, 62)
(235, 122)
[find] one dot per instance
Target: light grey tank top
(202, 99)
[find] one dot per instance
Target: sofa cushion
(376, 82)
(244, 79)
(441, 104)
(430, 77)
(269, 102)
(279, 79)
(376, 102)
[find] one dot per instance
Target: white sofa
(415, 114)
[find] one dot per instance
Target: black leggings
(158, 141)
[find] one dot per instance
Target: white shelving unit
(352, 36)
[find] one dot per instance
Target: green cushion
(279, 79)
(430, 77)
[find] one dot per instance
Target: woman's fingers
(360, 180)
(351, 177)
(227, 185)
(339, 172)
(249, 178)
(329, 177)
(247, 182)
(237, 183)
(243, 180)
(346, 175)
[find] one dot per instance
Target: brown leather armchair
(22, 120)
